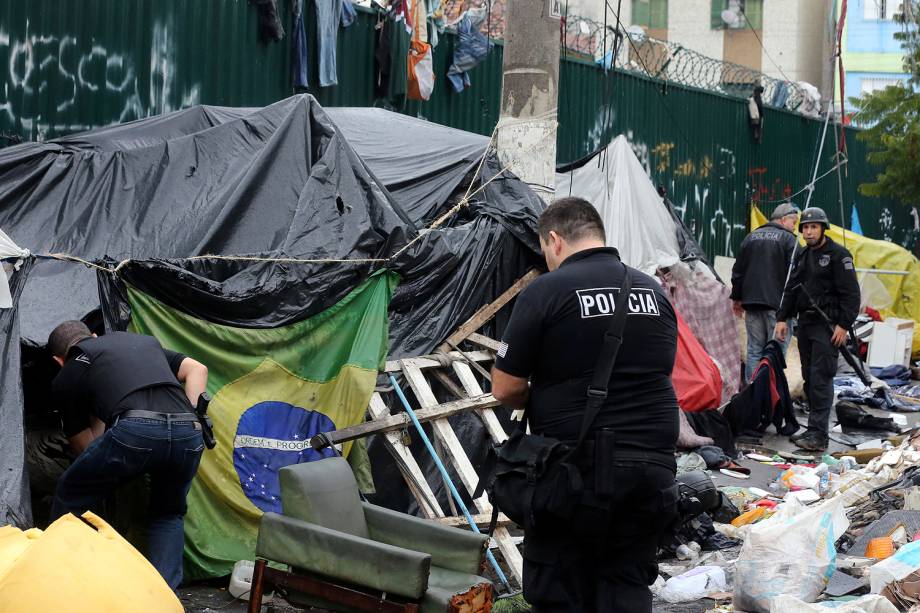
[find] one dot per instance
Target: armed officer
(823, 283)
(133, 386)
(604, 560)
(759, 276)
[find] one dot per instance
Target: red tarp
(695, 376)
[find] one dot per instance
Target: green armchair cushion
(325, 493)
(342, 556)
(450, 548)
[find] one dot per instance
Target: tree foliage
(893, 117)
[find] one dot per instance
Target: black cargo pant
(603, 560)
(819, 365)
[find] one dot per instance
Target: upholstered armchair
(348, 555)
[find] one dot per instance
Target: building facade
(785, 39)
(872, 58)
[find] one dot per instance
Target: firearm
(207, 428)
(854, 362)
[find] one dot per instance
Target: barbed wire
(666, 61)
(672, 62)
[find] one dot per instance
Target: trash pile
(840, 531)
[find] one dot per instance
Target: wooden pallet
(448, 367)
(395, 428)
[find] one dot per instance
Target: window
(874, 10)
(650, 14)
(874, 84)
(752, 9)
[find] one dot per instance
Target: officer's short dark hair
(573, 219)
(65, 336)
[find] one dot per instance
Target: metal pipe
(446, 476)
(879, 271)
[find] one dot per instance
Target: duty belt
(164, 417)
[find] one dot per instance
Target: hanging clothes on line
(472, 48)
(299, 47)
(328, 17)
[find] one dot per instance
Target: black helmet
(814, 214)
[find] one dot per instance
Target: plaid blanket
(704, 304)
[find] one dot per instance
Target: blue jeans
(760, 325)
(168, 452)
(328, 16)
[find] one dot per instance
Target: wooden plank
(441, 428)
(437, 360)
(482, 520)
(400, 421)
(484, 341)
(488, 311)
(411, 471)
(471, 386)
(457, 456)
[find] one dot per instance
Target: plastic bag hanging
(421, 62)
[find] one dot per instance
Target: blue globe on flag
(271, 435)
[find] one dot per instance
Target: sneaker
(812, 441)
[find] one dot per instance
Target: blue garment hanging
(299, 48)
(472, 47)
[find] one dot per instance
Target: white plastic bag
(791, 553)
(867, 604)
(905, 561)
(694, 584)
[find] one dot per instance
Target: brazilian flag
(272, 389)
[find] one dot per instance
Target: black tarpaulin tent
(292, 181)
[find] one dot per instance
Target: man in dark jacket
(758, 278)
(823, 283)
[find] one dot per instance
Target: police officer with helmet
(604, 559)
(824, 293)
(143, 395)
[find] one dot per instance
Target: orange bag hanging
(420, 64)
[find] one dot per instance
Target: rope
(114, 270)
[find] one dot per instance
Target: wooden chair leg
(255, 592)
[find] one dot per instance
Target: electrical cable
(767, 53)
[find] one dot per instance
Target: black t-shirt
(554, 337)
(76, 400)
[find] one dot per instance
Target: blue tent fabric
(855, 226)
(472, 47)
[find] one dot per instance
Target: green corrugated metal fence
(76, 65)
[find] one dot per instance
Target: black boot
(798, 435)
(812, 441)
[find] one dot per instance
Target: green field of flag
(272, 389)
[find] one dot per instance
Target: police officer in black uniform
(129, 383)
(605, 559)
(823, 281)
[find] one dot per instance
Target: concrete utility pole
(526, 133)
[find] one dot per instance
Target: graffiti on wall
(50, 74)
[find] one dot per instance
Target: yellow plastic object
(752, 516)
(78, 568)
(883, 255)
